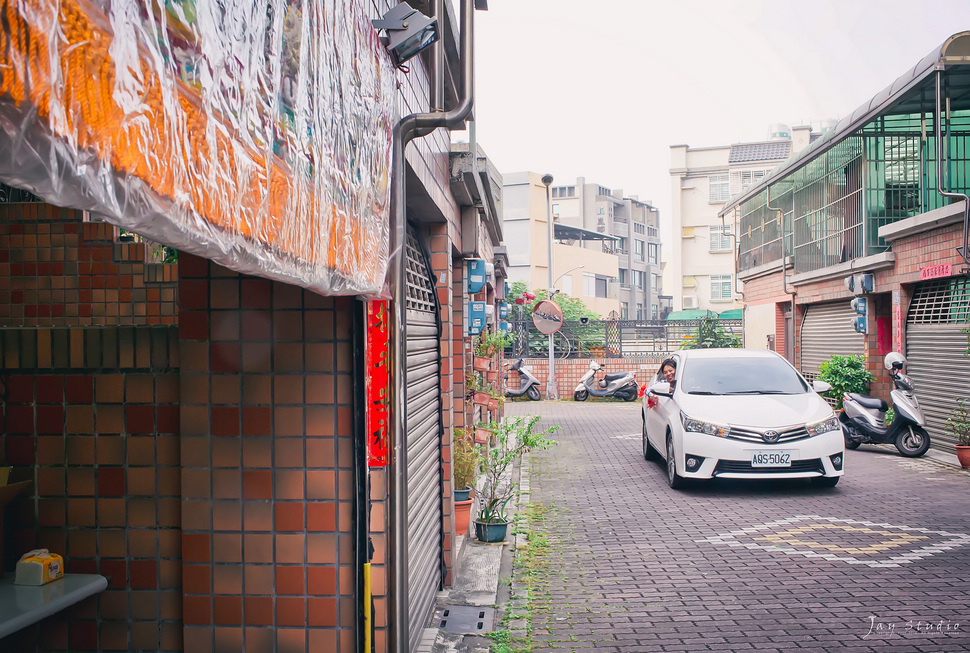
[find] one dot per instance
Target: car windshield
(740, 376)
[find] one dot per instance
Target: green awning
(692, 314)
(733, 314)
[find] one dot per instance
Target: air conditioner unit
(690, 301)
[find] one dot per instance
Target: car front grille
(744, 467)
(785, 436)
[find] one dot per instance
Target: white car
(741, 413)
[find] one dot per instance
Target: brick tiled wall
(267, 464)
(56, 270)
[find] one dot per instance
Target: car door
(659, 415)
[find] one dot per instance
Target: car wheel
(913, 441)
(825, 481)
(581, 395)
(533, 393)
(648, 451)
(674, 480)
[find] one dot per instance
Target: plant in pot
(515, 436)
(484, 432)
(464, 467)
(958, 425)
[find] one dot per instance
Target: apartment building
(699, 256)
(607, 246)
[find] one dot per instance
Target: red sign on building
(376, 381)
(936, 271)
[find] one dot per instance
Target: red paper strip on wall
(376, 378)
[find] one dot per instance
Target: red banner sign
(376, 382)
(936, 271)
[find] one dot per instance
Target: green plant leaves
(846, 374)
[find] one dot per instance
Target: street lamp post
(552, 388)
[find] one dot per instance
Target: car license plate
(771, 459)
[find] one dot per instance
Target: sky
(603, 89)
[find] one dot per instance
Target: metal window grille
(420, 289)
(944, 301)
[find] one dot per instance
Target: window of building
(555, 209)
(623, 278)
(639, 228)
(624, 311)
(655, 283)
(653, 252)
(638, 278)
(654, 312)
(748, 177)
(721, 287)
(652, 232)
(567, 285)
(621, 246)
(638, 249)
(720, 188)
(639, 311)
(589, 285)
(601, 286)
(720, 238)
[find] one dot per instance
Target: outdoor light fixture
(406, 32)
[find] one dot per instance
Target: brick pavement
(741, 566)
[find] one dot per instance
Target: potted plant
(958, 425)
(464, 466)
(515, 436)
(484, 433)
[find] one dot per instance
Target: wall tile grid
(267, 464)
(91, 416)
(58, 271)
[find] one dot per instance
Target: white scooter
(864, 418)
(528, 384)
(621, 384)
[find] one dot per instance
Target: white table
(22, 605)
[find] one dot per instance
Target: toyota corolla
(740, 413)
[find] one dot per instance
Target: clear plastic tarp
(255, 134)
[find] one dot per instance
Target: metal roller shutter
(935, 350)
(826, 331)
(423, 440)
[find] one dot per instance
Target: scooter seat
(614, 377)
(869, 402)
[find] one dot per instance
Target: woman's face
(669, 372)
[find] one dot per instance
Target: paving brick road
(878, 563)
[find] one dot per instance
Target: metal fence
(607, 338)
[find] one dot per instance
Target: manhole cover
(463, 619)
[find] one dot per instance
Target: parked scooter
(864, 418)
(528, 384)
(621, 384)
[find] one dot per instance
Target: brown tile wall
(267, 464)
(101, 446)
(58, 271)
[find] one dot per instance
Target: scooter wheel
(851, 444)
(533, 393)
(581, 395)
(913, 441)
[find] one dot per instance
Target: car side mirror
(820, 387)
(662, 388)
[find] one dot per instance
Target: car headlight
(697, 426)
(818, 428)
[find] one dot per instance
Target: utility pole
(552, 388)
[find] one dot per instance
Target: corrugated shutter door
(935, 350)
(423, 441)
(826, 331)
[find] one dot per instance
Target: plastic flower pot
(482, 436)
(482, 363)
(491, 531)
(463, 510)
(463, 495)
(963, 455)
(481, 398)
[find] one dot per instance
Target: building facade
(881, 199)
(607, 246)
(699, 252)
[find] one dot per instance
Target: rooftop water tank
(779, 131)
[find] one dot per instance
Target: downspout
(404, 131)
(784, 267)
(965, 253)
(736, 253)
